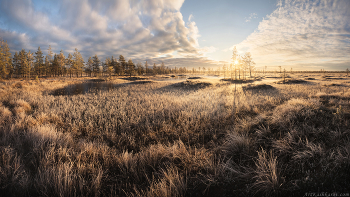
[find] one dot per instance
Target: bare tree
(248, 63)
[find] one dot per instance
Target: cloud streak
(301, 33)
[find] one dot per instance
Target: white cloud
(309, 32)
(136, 29)
(251, 16)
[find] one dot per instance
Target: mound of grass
(292, 81)
(309, 78)
(194, 78)
(273, 77)
(135, 78)
(334, 78)
(190, 85)
(97, 80)
(141, 82)
(238, 81)
(258, 87)
(334, 84)
(18, 85)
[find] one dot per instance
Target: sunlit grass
(200, 137)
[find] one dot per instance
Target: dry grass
(174, 139)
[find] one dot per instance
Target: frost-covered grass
(194, 138)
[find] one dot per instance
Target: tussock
(267, 179)
(141, 82)
(96, 80)
(192, 84)
(310, 78)
(292, 81)
(238, 81)
(135, 78)
(258, 87)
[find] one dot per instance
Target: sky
(298, 34)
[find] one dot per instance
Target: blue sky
(303, 34)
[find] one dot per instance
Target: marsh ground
(177, 137)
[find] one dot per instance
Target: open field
(197, 137)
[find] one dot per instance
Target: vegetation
(175, 139)
(25, 64)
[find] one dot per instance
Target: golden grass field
(194, 137)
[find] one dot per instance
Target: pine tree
(46, 66)
(23, 68)
(140, 69)
(6, 68)
(105, 66)
(110, 68)
(146, 67)
(89, 66)
(154, 69)
(122, 64)
(162, 68)
(51, 68)
(131, 67)
(116, 66)
(55, 65)
(3, 70)
(30, 59)
(78, 62)
(96, 65)
(39, 63)
(16, 64)
(61, 59)
(70, 64)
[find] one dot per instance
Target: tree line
(27, 64)
(241, 66)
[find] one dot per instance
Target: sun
(236, 62)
